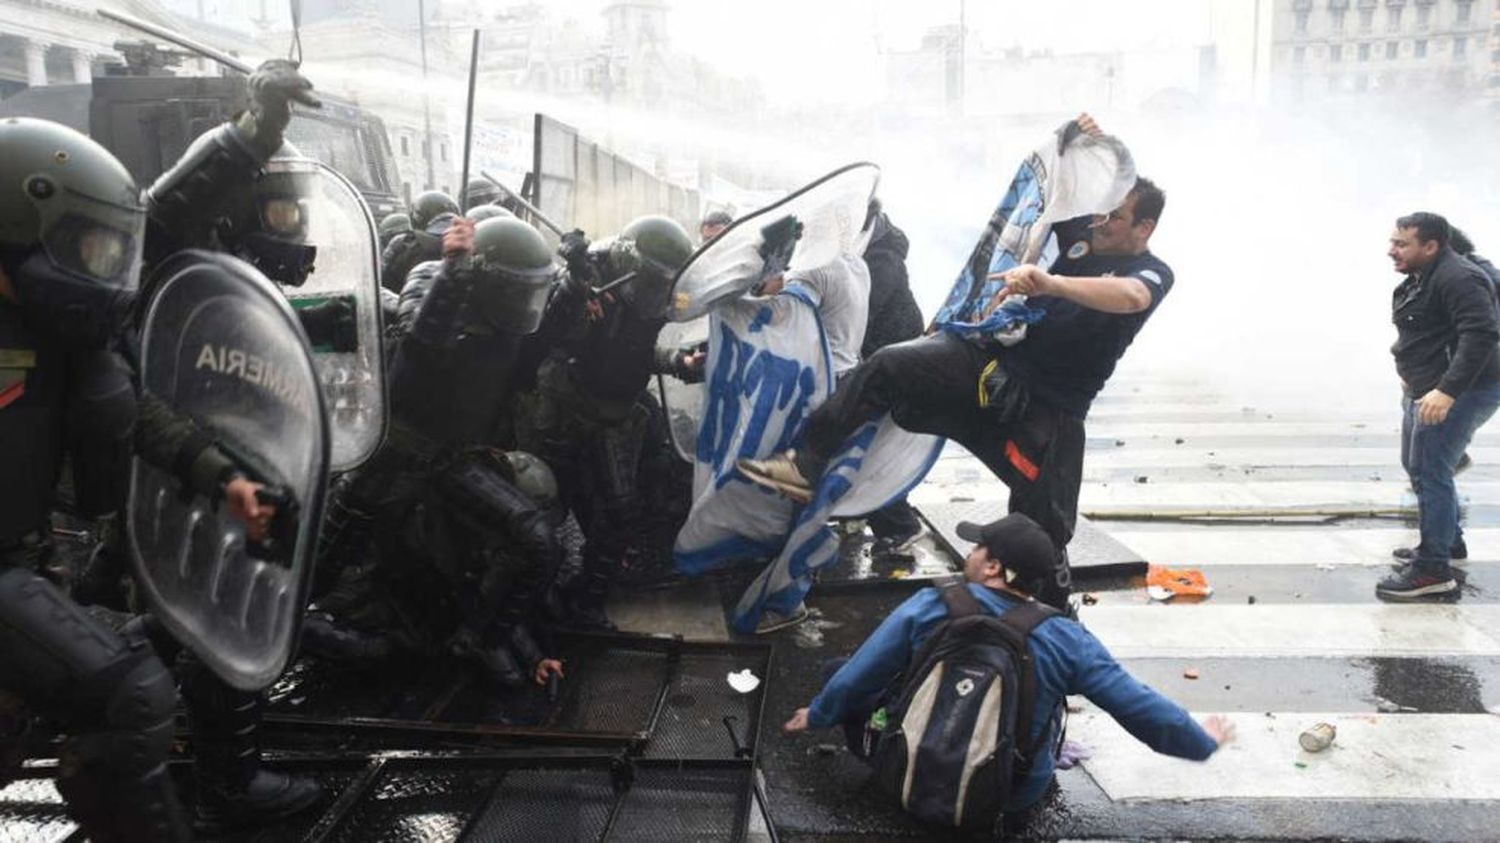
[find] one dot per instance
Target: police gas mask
(79, 283)
(272, 235)
(71, 230)
(641, 283)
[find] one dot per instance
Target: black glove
(581, 278)
(1066, 133)
(331, 323)
(687, 372)
(274, 86)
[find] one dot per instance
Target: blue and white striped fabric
(1091, 175)
(768, 367)
(878, 464)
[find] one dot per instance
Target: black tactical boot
(327, 638)
(234, 791)
(584, 599)
(493, 657)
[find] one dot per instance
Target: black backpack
(955, 743)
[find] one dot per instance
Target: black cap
(1017, 541)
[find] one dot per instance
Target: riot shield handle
(281, 539)
(778, 242)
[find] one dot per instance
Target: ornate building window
(1337, 9)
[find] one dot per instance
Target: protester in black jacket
(894, 317)
(1447, 354)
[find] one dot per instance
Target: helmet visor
(97, 240)
(284, 216)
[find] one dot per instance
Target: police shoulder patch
(1149, 275)
(1078, 250)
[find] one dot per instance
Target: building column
(83, 66)
(36, 63)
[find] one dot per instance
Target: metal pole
(463, 182)
(180, 40)
(426, 93)
(535, 212)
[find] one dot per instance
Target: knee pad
(132, 734)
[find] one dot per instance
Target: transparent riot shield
(346, 268)
(222, 349)
(808, 228)
(682, 402)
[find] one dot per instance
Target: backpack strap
(1022, 619)
(956, 596)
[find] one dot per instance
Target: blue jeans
(1429, 453)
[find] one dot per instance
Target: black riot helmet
(271, 230)
(534, 478)
(513, 275)
(652, 249)
(479, 192)
(393, 224)
(71, 229)
(430, 206)
(480, 213)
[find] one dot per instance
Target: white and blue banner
(878, 464)
(1058, 181)
(768, 366)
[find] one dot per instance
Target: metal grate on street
(699, 698)
(478, 799)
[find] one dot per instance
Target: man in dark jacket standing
(894, 317)
(1448, 357)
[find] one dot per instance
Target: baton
(540, 217)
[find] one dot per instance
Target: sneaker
(1460, 550)
(772, 620)
(778, 472)
(1411, 584)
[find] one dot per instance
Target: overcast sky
(819, 48)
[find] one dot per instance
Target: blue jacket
(1068, 659)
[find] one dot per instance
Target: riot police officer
(392, 225)
(586, 413)
(71, 233)
(430, 216)
(444, 501)
(479, 192)
(220, 196)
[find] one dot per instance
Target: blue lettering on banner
(771, 382)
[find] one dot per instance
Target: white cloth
(842, 290)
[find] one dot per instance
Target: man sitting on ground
(1011, 557)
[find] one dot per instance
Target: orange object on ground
(1187, 582)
